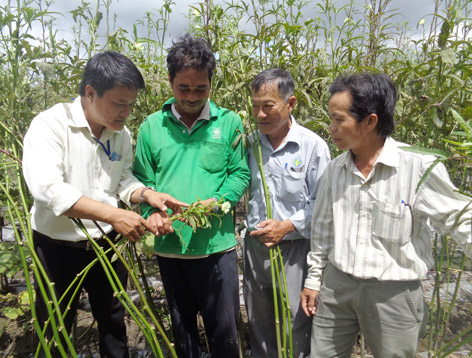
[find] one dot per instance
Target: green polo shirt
(207, 162)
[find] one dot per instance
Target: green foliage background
(432, 71)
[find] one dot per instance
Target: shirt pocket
(112, 176)
(292, 187)
(212, 157)
(392, 223)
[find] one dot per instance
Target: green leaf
(448, 56)
(437, 121)
(426, 174)
(424, 151)
(444, 34)
(465, 125)
(12, 312)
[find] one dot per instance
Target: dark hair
(283, 79)
(109, 69)
(190, 53)
(372, 93)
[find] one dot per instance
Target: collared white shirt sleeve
(45, 162)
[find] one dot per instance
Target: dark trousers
(62, 264)
(209, 286)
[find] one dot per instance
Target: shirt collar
(389, 155)
(204, 114)
(293, 136)
(78, 120)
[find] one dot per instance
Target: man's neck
(366, 157)
(188, 119)
(277, 139)
(96, 129)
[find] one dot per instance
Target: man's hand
(164, 201)
(272, 231)
(129, 224)
(208, 202)
(125, 222)
(309, 301)
(159, 223)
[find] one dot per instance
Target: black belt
(83, 244)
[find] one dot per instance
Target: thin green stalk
(82, 276)
(453, 301)
(39, 272)
(146, 286)
(288, 309)
(276, 305)
(283, 327)
(120, 292)
(124, 298)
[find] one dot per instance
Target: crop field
(429, 61)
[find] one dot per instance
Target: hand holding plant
(199, 213)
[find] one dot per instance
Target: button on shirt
(63, 162)
(378, 227)
(292, 173)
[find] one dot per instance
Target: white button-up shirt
(62, 162)
(379, 226)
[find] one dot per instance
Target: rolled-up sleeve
(450, 212)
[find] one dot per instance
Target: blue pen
(286, 165)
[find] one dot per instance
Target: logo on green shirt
(216, 134)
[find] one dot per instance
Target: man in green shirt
(192, 149)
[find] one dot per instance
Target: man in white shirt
(370, 238)
(77, 163)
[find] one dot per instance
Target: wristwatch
(141, 195)
(216, 208)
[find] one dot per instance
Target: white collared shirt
(379, 226)
(63, 162)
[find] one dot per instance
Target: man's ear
(89, 92)
(292, 100)
(371, 121)
(170, 79)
